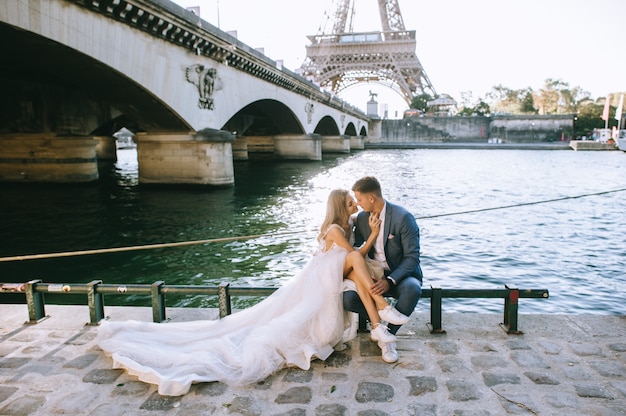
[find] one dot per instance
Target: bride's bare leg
(360, 275)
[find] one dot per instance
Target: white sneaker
(382, 334)
(391, 315)
(390, 355)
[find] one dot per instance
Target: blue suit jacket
(401, 240)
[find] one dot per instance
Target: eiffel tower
(339, 58)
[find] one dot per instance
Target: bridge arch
(265, 117)
(327, 126)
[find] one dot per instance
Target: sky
(464, 46)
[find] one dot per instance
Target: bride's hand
(374, 223)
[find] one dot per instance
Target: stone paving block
(529, 359)
(549, 347)
(520, 403)
(301, 395)
(541, 378)
(23, 406)
(130, 388)
(113, 409)
(482, 346)
(292, 412)
(329, 410)
(489, 361)
(210, 389)
(372, 413)
(493, 379)
(586, 349)
(609, 368)
(367, 348)
(593, 390)
(296, 375)
(453, 366)
(374, 392)
(73, 402)
(339, 359)
(82, 361)
(14, 362)
(617, 346)
(421, 385)
(617, 385)
(160, 403)
(461, 390)
(518, 344)
(6, 392)
(420, 409)
(563, 400)
(463, 412)
(102, 376)
(245, 406)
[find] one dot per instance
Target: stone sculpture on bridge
(204, 79)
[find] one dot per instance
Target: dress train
(302, 320)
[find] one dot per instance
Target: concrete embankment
(560, 365)
(470, 145)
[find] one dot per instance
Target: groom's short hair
(368, 185)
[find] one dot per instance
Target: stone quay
(559, 365)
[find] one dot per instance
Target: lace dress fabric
(301, 321)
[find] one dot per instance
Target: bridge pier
(336, 144)
(47, 158)
(106, 148)
(303, 146)
(204, 158)
(357, 142)
(240, 148)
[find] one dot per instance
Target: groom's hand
(379, 287)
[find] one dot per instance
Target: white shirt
(379, 244)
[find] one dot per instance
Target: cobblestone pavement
(561, 365)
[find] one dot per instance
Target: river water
(484, 216)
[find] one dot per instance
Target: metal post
(435, 311)
(510, 310)
(362, 323)
(35, 302)
(95, 301)
(224, 299)
(158, 302)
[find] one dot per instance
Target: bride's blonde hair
(336, 211)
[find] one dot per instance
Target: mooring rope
(248, 237)
(522, 204)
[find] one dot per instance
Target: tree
(557, 97)
(505, 100)
(589, 117)
(420, 102)
(527, 105)
(480, 109)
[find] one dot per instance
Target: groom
(397, 248)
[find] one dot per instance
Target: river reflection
(574, 247)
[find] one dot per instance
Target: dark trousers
(407, 292)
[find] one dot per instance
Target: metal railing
(34, 291)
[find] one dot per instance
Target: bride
(301, 321)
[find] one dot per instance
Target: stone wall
(506, 129)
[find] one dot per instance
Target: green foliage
(589, 117)
(420, 102)
(480, 109)
(556, 97)
(527, 105)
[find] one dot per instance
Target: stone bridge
(74, 72)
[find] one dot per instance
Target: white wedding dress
(304, 319)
